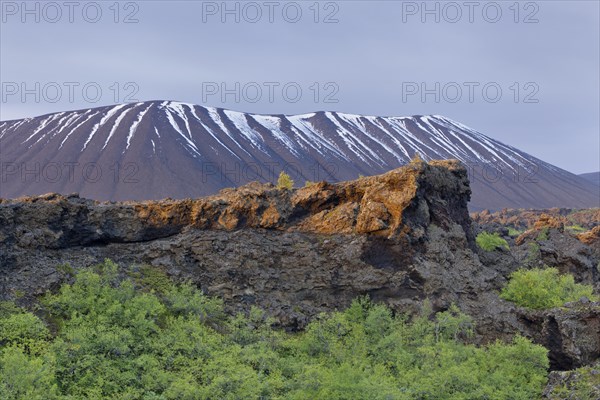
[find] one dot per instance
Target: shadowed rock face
(400, 237)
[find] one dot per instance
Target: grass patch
(575, 229)
(543, 235)
(533, 252)
(491, 241)
(512, 232)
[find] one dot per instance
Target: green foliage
(153, 278)
(582, 384)
(8, 308)
(544, 288)
(24, 330)
(285, 181)
(533, 252)
(24, 377)
(186, 300)
(118, 342)
(543, 235)
(65, 269)
(512, 232)
(575, 229)
(309, 184)
(491, 241)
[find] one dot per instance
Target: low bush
(543, 288)
(543, 235)
(491, 241)
(285, 181)
(117, 340)
(512, 232)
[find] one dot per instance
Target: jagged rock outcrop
(572, 332)
(544, 223)
(552, 246)
(525, 219)
(400, 237)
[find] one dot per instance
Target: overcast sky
(527, 75)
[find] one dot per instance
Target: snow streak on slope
(171, 110)
(102, 122)
(372, 141)
(134, 127)
(76, 127)
(175, 141)
(116, 125)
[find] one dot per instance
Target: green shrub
(543, 235)
(575, 229)
(24, 331)
(115, 341)
(512, 232)
(8, 308)
(533, 253)
(285, 181)
(491, 241)
(544, 288)
(153, 278)
(24, 377)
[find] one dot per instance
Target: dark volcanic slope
(593, 177)
(154, 150)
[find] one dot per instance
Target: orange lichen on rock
(590, 237)
(393, 204)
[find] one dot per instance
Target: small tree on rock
(285, 181)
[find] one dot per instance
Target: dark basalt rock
(400, 237)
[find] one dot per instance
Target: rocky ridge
(401, 237)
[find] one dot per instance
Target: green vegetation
(491, 241)
(512, 232)
(115, 338)
(65, 269)
(152, 278)
(575, 229)
(285, 181)
(582, 384)
(543, 235)
(544, 288)
(533, 252)
(309, 183)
